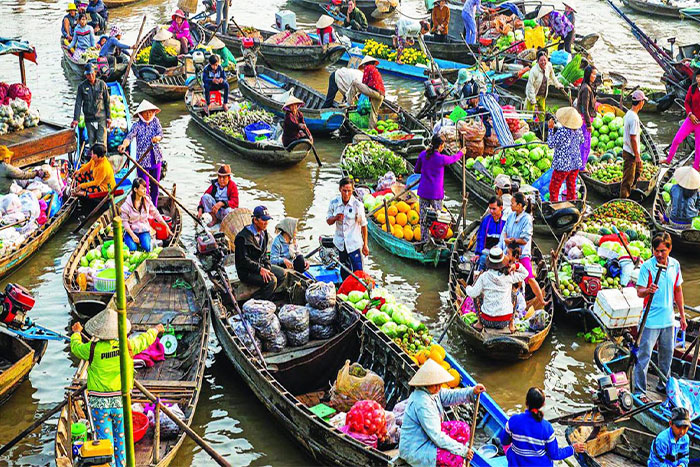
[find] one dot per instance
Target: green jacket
(357, 16)
(226, 57)
(103, 372)
(9, 172)
(160, 57)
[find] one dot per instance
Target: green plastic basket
(323, 411)
(106, 280)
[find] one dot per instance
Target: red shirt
(692, 101)
(372, 78)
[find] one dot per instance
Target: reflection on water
(228, 415)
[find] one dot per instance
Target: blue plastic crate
(257, 129)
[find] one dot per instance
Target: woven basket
(234, 222)
(106, 280)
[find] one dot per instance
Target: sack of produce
(321, 331)
(298, 39)
(458, 431)
(294, 318)
(240, 330)
(297, 338)
(354, 384)
(472, 129)
(20, 91)
(320, 295)
(367, 417)
(473, 149)
(523, 128)
(369, 440)
(260, 313)
(278, 38)
(325, 316)
(270, 331)
(276, 344)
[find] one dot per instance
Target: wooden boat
(610, 359)
(442, 105)
(311, 57)
(119, 3)
(407, 123)
(644, 188)
(77, 67)
(17, 358)
(496, 343)
(87, 303)
(290, 382)
(269, 89)
(147, 72)
(177, 379)
(688, 239)
(263, 152)
(368, 7)
(621, 446)
(577, 308)
(670, 9)
(169, 84)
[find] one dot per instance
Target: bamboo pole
(123, 343)
(473, 432)
(156, 435)
(133, 53)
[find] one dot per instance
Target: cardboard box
(618, 309)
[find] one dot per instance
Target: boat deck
(36, 144)
(161, 300)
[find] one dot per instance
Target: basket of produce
(234, 122)
(366, 161)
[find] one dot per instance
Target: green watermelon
(604, 130)
(608, 117)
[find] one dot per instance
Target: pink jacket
(137, 220)
(181, 31)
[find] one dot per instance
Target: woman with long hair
(585, 104)
(691, 123)
(531, 437)
(431, 188)
(136, 212)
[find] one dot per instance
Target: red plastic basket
(140, 422)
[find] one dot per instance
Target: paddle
(473, 427)
(133, 55)
(635, 348)
(624, 244)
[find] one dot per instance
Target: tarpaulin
(12, 46)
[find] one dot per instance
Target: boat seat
(244, 291)
(292, 353)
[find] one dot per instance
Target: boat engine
(327, 251)
(211, 249)
(613, 394)
(588, 278)
(439, 223)
(16, 303)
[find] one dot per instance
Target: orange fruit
(392, 220)
(398, 232)
(403, 206)
(393, 211)
(381, 218)
(437, 353)
(457, 378)
(408, 233)
(416, 233)
(401, 219)
(413, 217)
(449, 233)
(422, 356)
(445, 365)
(415, 207)
(384, 227)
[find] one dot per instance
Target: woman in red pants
(691, 123)
(566, 142)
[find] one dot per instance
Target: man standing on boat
(348, 215)
(489, 231)
(660, 321)
(372, 86)
(469, 11)
(342, 80)
(631, 153)
(93, 100)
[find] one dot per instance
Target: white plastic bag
(30, 205)
(10, 203)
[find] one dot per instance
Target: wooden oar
(473, 428)
(633, 354)
(406, 190)
(133, 53)
(111, 193)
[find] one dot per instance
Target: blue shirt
(83, 37)
(111, 44)
(667, 452)
(661, 311)
(532, 442)
(518, 226)
(421, 430)
(471, 7)
(683, 209)
(281, 250)
(208, 74)
(567, 149)
(259, 236)
(491, 230)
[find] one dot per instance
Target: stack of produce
(572, 74)
(295, 324)
(320, 299)
(17, 116)
(389, 129)
(409, 56)
(248, 31)
(403, 220)
(367, 417)
(595, 243)
(260, 314)
(369, 160)
(295, 39)
(144, 54)
(118, 128)
(233, 122)
(437, 353)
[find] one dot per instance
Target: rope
(182, 284)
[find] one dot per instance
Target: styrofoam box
(618, 309)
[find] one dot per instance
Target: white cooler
(618, 308)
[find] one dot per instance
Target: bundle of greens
(369, 160)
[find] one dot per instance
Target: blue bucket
(412, 179)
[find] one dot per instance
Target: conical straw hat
(162, 35)
(570, 118)
(430, 373)
(324, 21)
(105, 325)
(291, 101)
(144, 106)
(688, 178)
(216, 44)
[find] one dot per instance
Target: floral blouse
(143, 133)
(567, 148)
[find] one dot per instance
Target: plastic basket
(323, 411)
(106, 280)
(257, 129)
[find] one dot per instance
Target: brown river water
(229, 416)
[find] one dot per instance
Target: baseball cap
(502, 181)
(639, 95)
(89, 69)
(680, 416)
(260, 212)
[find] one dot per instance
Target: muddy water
(228, 415)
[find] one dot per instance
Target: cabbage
(696, 223)
(604, 130)
(597, 122)
(529, 136)
(355, 296)
(608, 117)
(84, 262)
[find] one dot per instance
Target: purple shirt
(432, 170)
(143, 133)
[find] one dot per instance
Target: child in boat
(671, 446)
(285, 251)
(180, 28)
(83, 37)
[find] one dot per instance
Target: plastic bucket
(78, 432)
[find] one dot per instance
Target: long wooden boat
(610, 359)
(496, 343)
(577, 307)
(171, 83)
(616, 447)
(39, 143)
(292, 381)
(688, 239)
(612, 190)
(269, 88)
(306, 57)
(147, 72)
(177, 379)
(671, 9)
(119, 3)
(368, 7)
(17, 358)
(407, 123)
(266, 152)
(87, 303)
(77, 67)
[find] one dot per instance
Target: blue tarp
(13, 46)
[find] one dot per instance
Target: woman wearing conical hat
(147, 131)
(422, 440)
(685, 199)
(294, 127)
(220, 49)
(103, 375)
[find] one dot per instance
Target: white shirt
(345, 77)
(496, 289)
(406, 28)
(348, 232)
(632, 126)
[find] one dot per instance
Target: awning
(17, 47)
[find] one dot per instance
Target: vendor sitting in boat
(83, 37)
(294, 126)
(70, 20)
(180, 28)
(285, 251)
(489, 231)
(685, 199)
(422, 441)
(98, 15)
(252, 262)
(220, 198)
(158, 54)
(324, 29)
(495, 285)
(214, 79)
(96, 175)
(406, 33)
(113, 47)
(136, 212)
(355, 18)
(9, 173)
(228, 61)
(671, 446)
